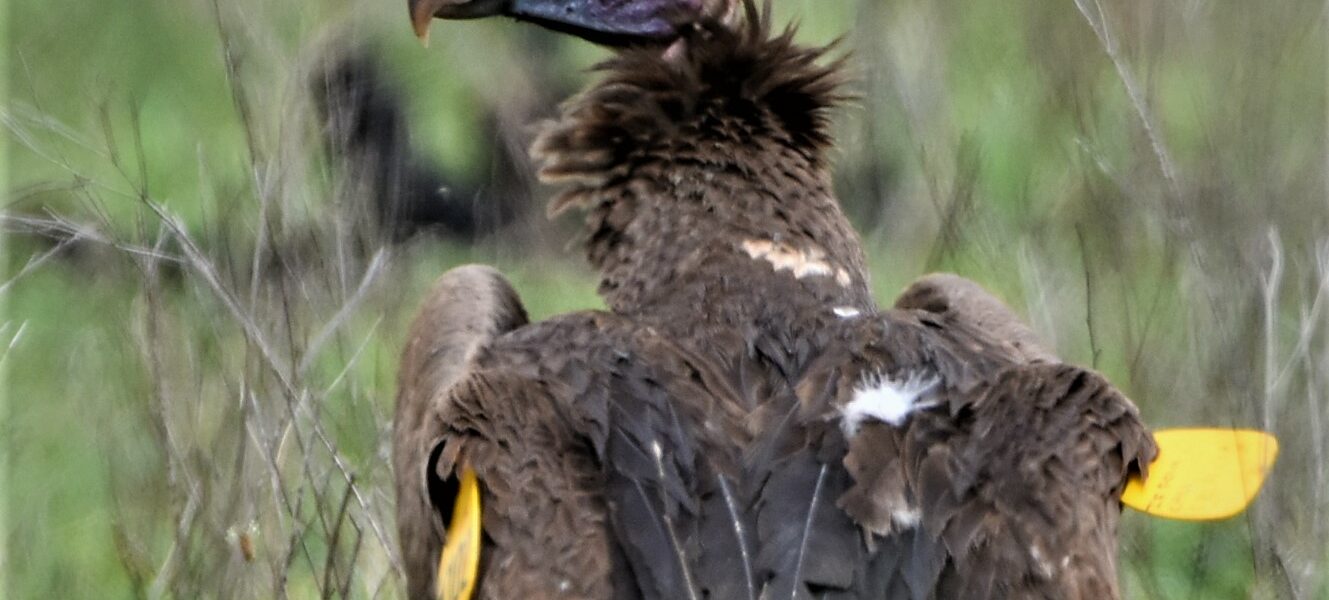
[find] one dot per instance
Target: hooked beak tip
(422, 14)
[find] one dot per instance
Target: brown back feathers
(744, 422)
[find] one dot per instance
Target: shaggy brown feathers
(744, 422)
(680, 161)
(734, 87)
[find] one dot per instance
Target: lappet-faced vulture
(743, 421)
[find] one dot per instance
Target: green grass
(154, 418)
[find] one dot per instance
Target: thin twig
(1271, 280)
(1099, 23)
(330, 566)
(1094, 350)
(166, 573)
(344, 313)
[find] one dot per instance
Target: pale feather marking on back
(887, 400)
(906, 517)
(846, 312)
(801, 262)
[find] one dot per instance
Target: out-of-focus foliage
(200, 339)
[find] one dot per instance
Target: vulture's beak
(423, 11)
(611, 22)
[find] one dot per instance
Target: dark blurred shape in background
(401, 189)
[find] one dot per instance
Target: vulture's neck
(706, 185)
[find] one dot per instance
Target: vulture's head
(609, 22)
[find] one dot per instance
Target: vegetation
(200, 335)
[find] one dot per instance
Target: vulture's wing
(829, 486)
(600, 449)
(927, 458)
(916, 456)
(1023, 484)
(956, 301)
(467, 307)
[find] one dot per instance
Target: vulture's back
(911, 460)
(744, 423)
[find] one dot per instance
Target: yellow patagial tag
(1203, 474)
(459, 565)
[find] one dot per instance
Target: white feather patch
(1045, 568)
(846, 312)
(906, 517)
(887, 400)
(802, 262)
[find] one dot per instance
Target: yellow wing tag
(459, 565)
(1203, 474)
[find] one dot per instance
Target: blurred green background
(203, 309)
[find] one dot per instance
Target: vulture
(742, 421)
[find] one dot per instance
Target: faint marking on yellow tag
(459, 565)
(1203, 474)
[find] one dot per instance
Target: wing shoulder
(465, 309)
(599, 408)
(997, 469)
(1023, 487)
